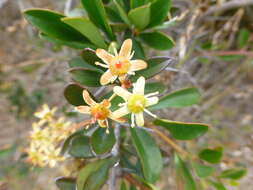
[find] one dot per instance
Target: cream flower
(99, 112)
(46, 113)
(120, 64)
(135, 103)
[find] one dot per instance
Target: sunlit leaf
(50, 23)
(157, 17)
(181, 130)
(88, 29)
(148, 153)
(97, 14)
(140, 16)
(157, 40)
(177, 99)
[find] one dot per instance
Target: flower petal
(87, 98)
(83, 109)
(120, 112)
(122, 92)
(139, 119)
(151, 101)
(120, 120)
(102, 123)
(137, 65)
(104, 55)
(139, 86)
(106, 78)
(126, 48)
(122, 78)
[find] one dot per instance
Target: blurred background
(214, 51)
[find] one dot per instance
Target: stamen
(149, 113)
(122, 104)
(132, 120)
(113, 79)
(151, 94)
(131, 72)
(115, 51)
(107, 127)
(102, 65)
(131, 56)
(87, 127)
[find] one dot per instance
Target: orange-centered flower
(120, 64)
(99, 112)
(135, 103)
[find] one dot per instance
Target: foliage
(102, 144)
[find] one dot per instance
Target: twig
(68, 7)
(227, 6)
(134, 182)
(115, 152)
(169, 141)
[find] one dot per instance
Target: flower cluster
(46, 137)
(119, 67)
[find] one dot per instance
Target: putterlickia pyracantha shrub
(115, 143)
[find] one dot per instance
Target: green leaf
(102, 142)
(80, 147)
(88, 29)
(217, 185)
(157, 40)
(97, 15)
(94, 175)
(212, 156)
(137, 3)
(243, 37)
(140, 16)
(183, 131)
(184, 173)
(72, 44)
(235, 173)
(202, 170)
(90, 57)
(113, 14)
(157, 17)
(149, 154)
(122, 13)
(155, 66)
(81, 63)
(86, 77)
(123, 186)
(67, 142)
(154, 87)
(138, 50)
(180, 98)
(50, 23)
(73, 94)
(64, 183)
(119, 27)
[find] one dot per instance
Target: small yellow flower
(135, 103)
(46, 113)
(120, 64)
(99, 112)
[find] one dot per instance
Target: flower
(120, 64)
(46, 138)
(99, 112)
(135, 103)
(46, 113)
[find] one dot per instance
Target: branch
(228, 5)
(134, 182)
(114, 152)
